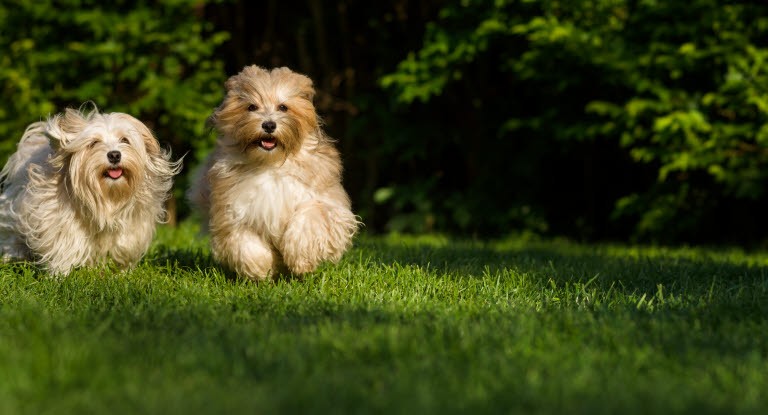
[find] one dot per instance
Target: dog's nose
(113, 156)
(269, 126)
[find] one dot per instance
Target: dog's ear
(160, 164)
(149, 140)
(230, 97)
(210, 122)
(229, 86)
(305, 87)
(65, 127)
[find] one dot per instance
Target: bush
(683, 87)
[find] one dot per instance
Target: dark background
(623, 120)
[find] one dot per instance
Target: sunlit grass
(403, 324)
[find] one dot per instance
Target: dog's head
(266, 114)
(108, 159)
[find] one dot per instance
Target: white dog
(81, 188)
(271, 191)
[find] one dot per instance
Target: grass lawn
(402, 324)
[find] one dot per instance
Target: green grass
(402, 324)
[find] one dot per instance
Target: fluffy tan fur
(59, 205)
(273, 200)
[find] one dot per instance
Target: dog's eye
(252, 108)
(93, 143)
(282, 108)
(124, 140)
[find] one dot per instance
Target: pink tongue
(268, 144)
(115, 173)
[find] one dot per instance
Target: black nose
(113, 156)
(269, 126)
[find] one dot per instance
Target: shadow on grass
(197, 260)
(186, 259)
(678, 273)
(639, 271)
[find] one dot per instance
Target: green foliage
(400, 325)
(699, 98)
(462, 34)
(683, 87)
(548, 115)
(150, 59)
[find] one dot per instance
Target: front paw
(317, 232)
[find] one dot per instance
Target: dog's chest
(125, 244)
(267, 199)
(67, 239)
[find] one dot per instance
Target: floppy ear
(228, 86)
(214, 117)
(160, 164)
(228, 104)
(305, 87)
(65, 127)
(149, 140)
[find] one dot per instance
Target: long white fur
(56, 206)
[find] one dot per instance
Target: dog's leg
(317, 232)
(245, 252)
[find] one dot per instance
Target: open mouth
(114, 173)
(268, 143)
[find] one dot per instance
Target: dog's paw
(246, 253)
(317, 232)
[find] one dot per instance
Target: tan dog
(82, 188)
(271, 190)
